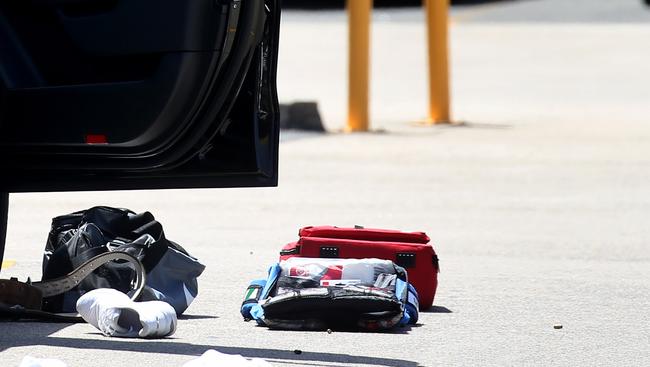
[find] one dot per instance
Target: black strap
(24, 306)
(60, 285)
(153, 228)
(83, 257)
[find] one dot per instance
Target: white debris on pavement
(212, 358)
(30, 361)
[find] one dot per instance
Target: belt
(26, 299)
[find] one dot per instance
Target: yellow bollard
(437, 33)
(359, 12)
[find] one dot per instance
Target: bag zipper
(293, 251)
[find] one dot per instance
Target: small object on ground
(557, 326)
(212, 358)
(29, 361)
(6, 264)
(329, 331)
(297, 351)
(301, 116)
(115, 314)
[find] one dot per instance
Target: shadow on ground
(475, 125)
(18, 334)
(173, 347)
(437, 309)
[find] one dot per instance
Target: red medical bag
(410, 250)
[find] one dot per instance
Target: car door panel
(146, 26)
(138, 94)
(163, 99)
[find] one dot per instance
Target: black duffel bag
(171, 273)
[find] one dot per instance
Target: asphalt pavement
(537, 204)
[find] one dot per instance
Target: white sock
(212, 358)
(114, 314)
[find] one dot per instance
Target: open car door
(131, 94)
(137, 94)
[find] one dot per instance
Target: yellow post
(359, 12)
(437, 29)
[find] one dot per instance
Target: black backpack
(171, 273)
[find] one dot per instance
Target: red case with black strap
(410, 250)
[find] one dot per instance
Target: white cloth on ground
(115, 314)
(212, 358)
(29, 361)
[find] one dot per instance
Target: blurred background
(511, 61)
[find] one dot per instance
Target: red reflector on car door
(96, 139)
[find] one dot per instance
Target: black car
(137, 94)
